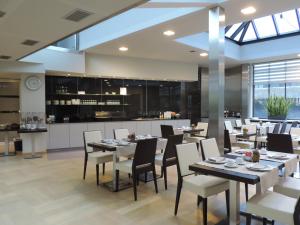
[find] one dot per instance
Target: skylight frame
(244, 30)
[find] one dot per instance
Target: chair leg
(84, 166)
(247, 192)
(117, 180)
(204, 211)
(103, 168)
(179, 187)
(146, 177)
(227, 202)
(265, 221)
(134, 178)
(161, 172)
(154, 179)
(165, 177)
(248, 219)
(199, 199)
(97, 173)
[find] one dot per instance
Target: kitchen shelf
(74, 94)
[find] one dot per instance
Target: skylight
(273, 26)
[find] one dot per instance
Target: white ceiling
(151, 43)
(42, 20)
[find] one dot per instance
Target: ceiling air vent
(29, 42)
(77, 15)
(2, 13)
(5, 57)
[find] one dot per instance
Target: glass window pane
(287, 22)
(293, 93)
(232, 29)
(250, 34)
(260, 97)
(237, 38)
(277, 89)
(265, 27)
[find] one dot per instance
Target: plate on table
(231, 165)
(259, 167)
(241, 151)
(123, 143)
(217, 160)
(279, 156)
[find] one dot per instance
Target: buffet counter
(70, 135)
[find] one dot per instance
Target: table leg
(234, 189)
(33, 155)
(115, 161)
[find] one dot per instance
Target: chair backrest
(204, 126)
(280, 143)
(247, 121)
(228, 126)
(145, 153)
(294, 124)
(187, 154)
(227, 142)
(251, 128)
(295, 131)
(283, 128)
(121, 133)
(209, 148)
(170, 150)
(238, 123)
(297, 213)
(89, 137)
(166, 131)
(276, 128)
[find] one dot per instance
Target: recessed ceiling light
(222, 18)
(203, 54)
(169, 33)
(123, 49)
(248, 10)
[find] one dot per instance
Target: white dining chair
(274, 206)
(238, 123)
(121, 133)
(209, 148)
(295, 131)
(201, 135)
(288, 186)
(247, 121)
(228, 126)
(203, 186)
(97, 157)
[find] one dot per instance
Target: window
(276, 79)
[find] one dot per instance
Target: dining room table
(263, 180)
(122, 148)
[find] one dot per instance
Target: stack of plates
(259, 167)
(217, 160)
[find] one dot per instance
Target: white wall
(30, 101)
(137, 68)
(62, 61)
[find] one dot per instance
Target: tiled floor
(50, 191)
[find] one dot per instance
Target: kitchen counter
(70, 135)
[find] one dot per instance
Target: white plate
(259, 167)
(231, 165)
(217, 160)
(278, 156)
(240, 151)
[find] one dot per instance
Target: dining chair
(288, 186)
(121, 133)
(283, 128)
(198, 136)
(166, 131)
(247, 121)
(274, 206)
(97, 157)
(238, 123)
(203, 186)
(276, 129)
(168, 158)
(295, 131)
(209, 148)
(228, 126)
(142, 162)
(279, 143)
(228, 146)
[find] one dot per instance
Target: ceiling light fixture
(123, 49)
(169, 33)
(248, 10)
(222, 18)
(203, 54)
(298, 55)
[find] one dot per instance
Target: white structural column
(216, 74)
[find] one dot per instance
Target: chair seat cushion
(194, 139)
(273, 206)
(288, 186)
(125, 166)
(100, 157)
(205, 186)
